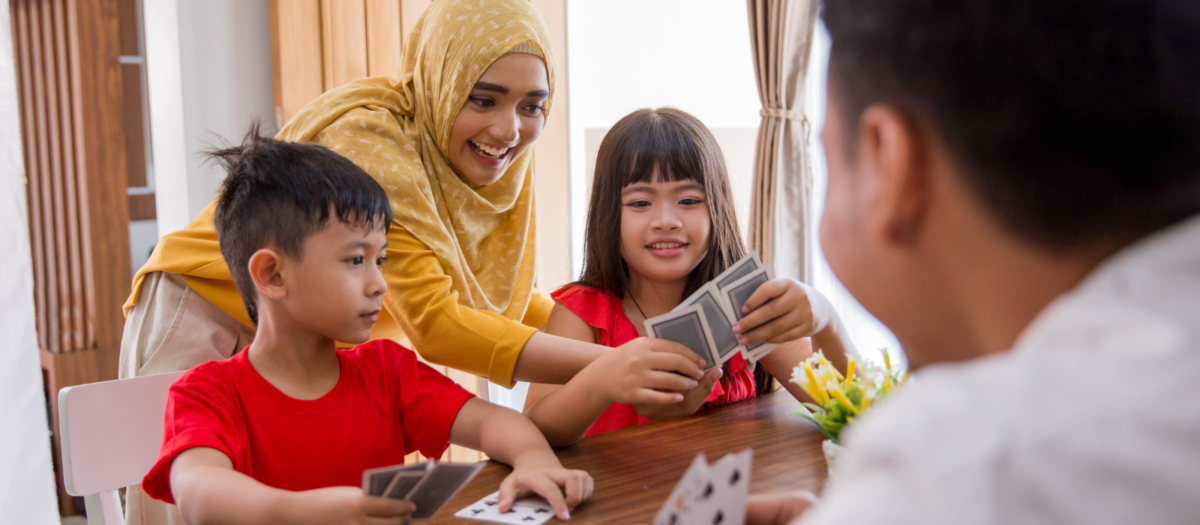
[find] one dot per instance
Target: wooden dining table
(636, 468)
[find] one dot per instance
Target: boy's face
(336, 289)
(874, 241)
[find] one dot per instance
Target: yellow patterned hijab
(398, 130)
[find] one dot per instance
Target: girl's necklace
(639, 307)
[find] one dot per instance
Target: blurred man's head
(1045, 131)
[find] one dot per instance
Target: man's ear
(894, 151)
(266, 269)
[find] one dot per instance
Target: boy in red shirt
(282, 431)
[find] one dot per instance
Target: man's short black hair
(277, 194)
(1076, 122)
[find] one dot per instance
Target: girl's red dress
(602, 310)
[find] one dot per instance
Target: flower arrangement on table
(839, 399)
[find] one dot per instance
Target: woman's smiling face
(502, 117)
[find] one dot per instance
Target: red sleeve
(200, 413)
(429, 403)
(596, 308)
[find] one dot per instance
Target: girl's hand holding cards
(783, 310)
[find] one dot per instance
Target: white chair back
(110, 434)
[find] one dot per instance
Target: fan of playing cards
(707, 494)
(704, 321)
(428, 485)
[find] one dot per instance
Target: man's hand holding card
(710, 493)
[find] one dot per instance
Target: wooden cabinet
(71, 101)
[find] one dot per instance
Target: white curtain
(781, 34)
(26, 476)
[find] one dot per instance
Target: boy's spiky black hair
(277, 194)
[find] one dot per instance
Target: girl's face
(665, 228)
(501, 118)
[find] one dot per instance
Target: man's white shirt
(1092, 418)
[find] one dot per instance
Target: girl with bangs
(661, 223)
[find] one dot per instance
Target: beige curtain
(781, 33)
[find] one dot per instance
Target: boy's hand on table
(546, 477)
(779, 508)
(348, 505)
(647, 371)
(692, 399)
(783, 310)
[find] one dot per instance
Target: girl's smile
(667, 247)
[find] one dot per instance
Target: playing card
(722, 498)
(719, 324)
(532, 511)
(688, 327)
(680, 505)
(402, 484)
(734, 296)
(757, 351)
(747, 265)
(438, 486)
(376, 480)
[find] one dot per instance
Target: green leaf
(817, 424)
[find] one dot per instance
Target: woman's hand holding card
(692, 399)
(647, 371)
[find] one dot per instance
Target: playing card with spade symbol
(528, 511)
(722, 498)
(682, 501)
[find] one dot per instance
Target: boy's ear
(893, 149)
(266, 267)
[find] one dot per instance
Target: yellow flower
(849, 373)
(837, 394)
(817, 394)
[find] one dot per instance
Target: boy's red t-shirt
(386, 404)
(602, 310)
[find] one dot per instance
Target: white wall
(628, 54)
(209, 75)
(26, 475)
